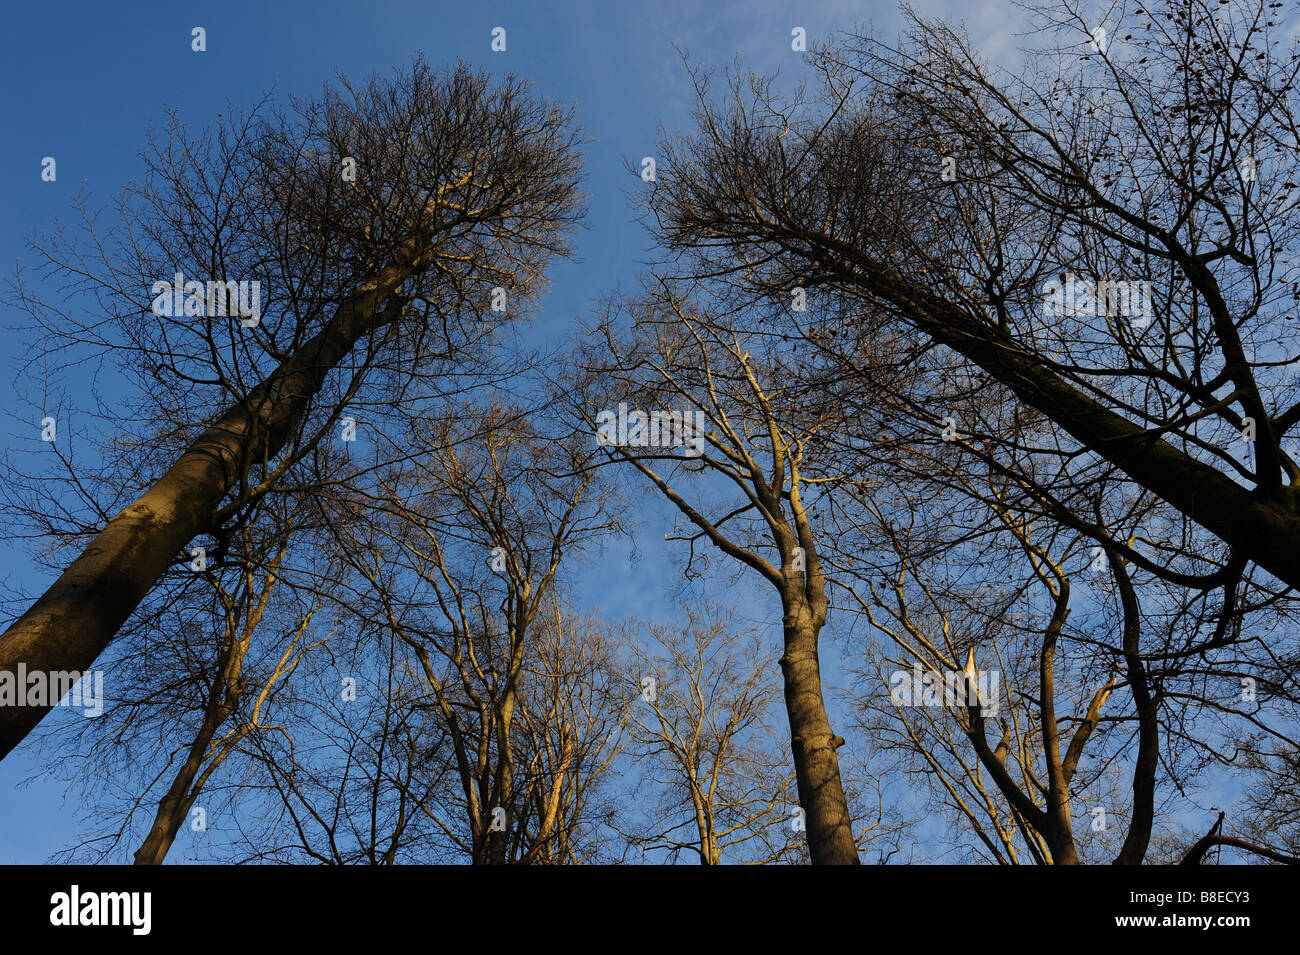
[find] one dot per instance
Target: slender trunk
(1057, 829)
(1138, 838)
(709, 852)
(498, 842)
(175, 806)
(77, 617)
(817, 766)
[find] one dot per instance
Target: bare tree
(1018, 790)
(1113, 690)
(340, 778)
(570, 722)
(244, 610)
(923, 193)
(381, 222)
(717, 788)
(1088, 268)
(461, 560)
(704, 411)
(199, 670)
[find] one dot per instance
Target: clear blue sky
(83, 80)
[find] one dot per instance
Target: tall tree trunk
(1261, 523)
(498, 843)
(816, 764)
(76, 618)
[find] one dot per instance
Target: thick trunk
(817, 767)
(1263, 525)
(496, 842)
(1060, 840)
(496, 847)
(71, 624)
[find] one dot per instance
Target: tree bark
(817, 766)
(1138, 839)
(1262, 523)
(76, 618)
(1057, 829)
(175, 806)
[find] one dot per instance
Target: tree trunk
(1147, 764)
(817, 767)
(222, 701)
(1262, 524)
(175, 806)
(71, 624)
(1057, 829)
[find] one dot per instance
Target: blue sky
(84, 80)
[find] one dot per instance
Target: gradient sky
(84, 80)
